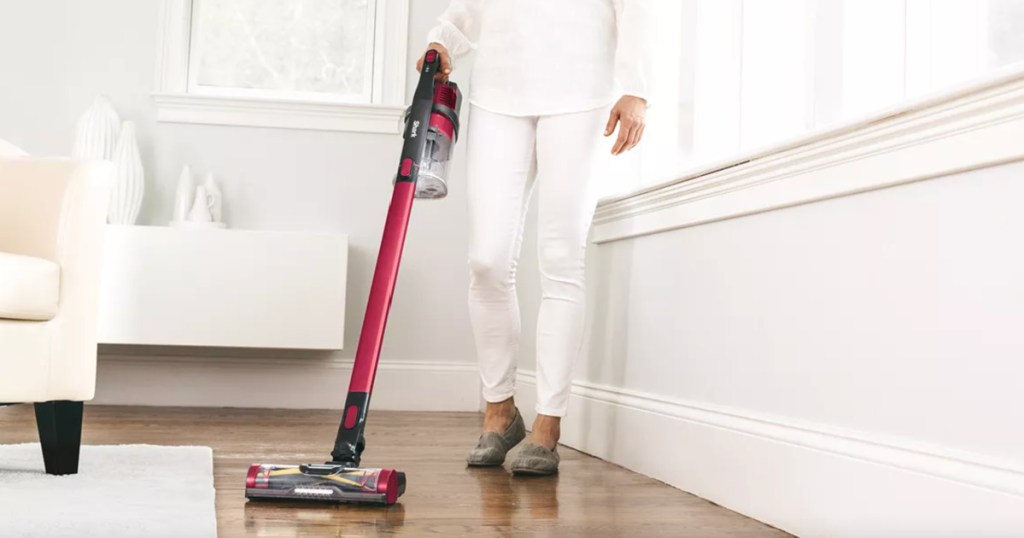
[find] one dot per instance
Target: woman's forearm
(634, 49)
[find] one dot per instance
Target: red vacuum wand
(431, 128)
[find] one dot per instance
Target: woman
(543, 91)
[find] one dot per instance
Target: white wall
(58, 54)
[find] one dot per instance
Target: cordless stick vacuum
(431, 128)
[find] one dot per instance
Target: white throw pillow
(10, 150)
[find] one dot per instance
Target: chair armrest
(37, 194)
(79, 249)
(56, 209)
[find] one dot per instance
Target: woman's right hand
(446, 61)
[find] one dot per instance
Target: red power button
(431, 55)
(351, 414)
(406, 167)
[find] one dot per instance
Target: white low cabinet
(230, 288)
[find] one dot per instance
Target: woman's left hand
(628, 114)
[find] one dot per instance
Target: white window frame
(177, 104)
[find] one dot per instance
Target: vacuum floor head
(324, 483)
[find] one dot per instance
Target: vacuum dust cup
(440, 135)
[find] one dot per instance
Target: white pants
(507, 156)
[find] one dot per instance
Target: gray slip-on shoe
(535, 460)
(492, 447)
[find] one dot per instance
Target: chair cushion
(29, 287)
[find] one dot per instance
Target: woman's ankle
(546, 431)
(498, 416)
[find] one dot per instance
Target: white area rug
(119, 491)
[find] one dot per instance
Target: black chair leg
(60, 433)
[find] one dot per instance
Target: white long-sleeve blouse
(540, 57)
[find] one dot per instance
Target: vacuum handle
(419, 118)
(431, 60)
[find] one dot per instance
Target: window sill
(277, 113)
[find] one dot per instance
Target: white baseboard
(290, 383)
(808, 479)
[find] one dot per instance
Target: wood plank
(590, 498)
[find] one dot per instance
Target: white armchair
(52, 221)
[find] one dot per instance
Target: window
(746, 75)
(312, 64)
(298, 49)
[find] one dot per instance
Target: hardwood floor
(589, 498)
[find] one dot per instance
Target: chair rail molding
(383, 115)
(975, 126)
